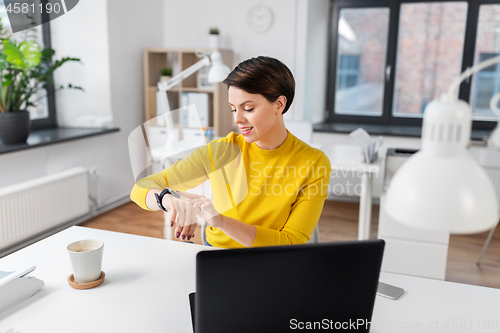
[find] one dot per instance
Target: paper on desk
(369, 147)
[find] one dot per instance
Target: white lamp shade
(442, 187)
(444, 194)
(218, 72)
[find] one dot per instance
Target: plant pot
(213, 42)
(14, 127)
(164, 78)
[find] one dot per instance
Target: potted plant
(166, 73)
(213, 38)
(24, 70)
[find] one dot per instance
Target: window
(361, 44)
(390, 58)
(429, 53)
(42, 115)
(486, 83)
(348, 71)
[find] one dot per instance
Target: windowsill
(388, 130)
(50, 136)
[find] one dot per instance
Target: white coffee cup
(86, 259)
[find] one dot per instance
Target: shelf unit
(220, 118)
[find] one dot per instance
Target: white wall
(316, 62)
(298, 37)
(187, 24)
(301, 52)
(74, 35)
(115, 66)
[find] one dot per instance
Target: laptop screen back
(288, 288)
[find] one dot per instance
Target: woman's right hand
(183, 215)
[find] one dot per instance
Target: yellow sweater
(280, 191)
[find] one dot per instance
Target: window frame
(483, 74)
(387, 119)
(51, 120)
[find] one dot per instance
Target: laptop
(312, 287)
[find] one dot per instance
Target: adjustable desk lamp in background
(441, 187)
(217, 73)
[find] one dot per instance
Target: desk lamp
(217, 73)
(441, 187)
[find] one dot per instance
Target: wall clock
(260, 18)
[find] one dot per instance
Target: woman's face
(255, 116)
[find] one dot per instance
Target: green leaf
(24, 56)
(31, 53)
(14, 55)
(24, 69)
(47, 54)
(8, 79)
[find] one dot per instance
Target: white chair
(488, 239)
(315, 236)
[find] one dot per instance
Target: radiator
(38, 205)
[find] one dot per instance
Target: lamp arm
(470, 71)
(164, 86)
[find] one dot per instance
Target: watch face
(260, 18)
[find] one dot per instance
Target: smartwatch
(159, 197)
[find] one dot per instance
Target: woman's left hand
(204, 208)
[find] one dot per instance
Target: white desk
(148, 281)
(146, 287)
(347, 159)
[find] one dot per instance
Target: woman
(283, 180)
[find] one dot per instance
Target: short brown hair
(266, 76)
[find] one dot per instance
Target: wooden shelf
(155, 89)
(179, 59)
(181, 50)
(187, 89)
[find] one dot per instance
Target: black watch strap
(159, 198)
